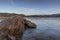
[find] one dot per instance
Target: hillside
(9, 14)
(52, 15)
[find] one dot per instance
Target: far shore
(7, 15)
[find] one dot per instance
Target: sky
(30, 7)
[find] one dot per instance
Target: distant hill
(9, 14)
(12, 14)
(53, 15)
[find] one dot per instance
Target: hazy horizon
(30, 7)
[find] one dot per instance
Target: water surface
(47, 29)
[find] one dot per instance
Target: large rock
(30, 24)
(13, 28)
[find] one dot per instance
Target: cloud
(12, 2)
(32, 11)
(28, 11)
(52, 11)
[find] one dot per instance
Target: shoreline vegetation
(6, 15)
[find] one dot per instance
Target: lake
(47, 29)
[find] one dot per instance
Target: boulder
(29, 24)
(13, 28)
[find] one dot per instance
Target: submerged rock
(13, 28)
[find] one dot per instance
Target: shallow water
(47, 29)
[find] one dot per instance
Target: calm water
(47, 29)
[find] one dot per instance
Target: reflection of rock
(13, 28)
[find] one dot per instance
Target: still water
(47, 29)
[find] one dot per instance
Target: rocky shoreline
(13, 27)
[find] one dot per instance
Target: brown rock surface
(13, 28)
(29, 24)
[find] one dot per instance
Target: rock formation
(29, 24)
(13, 28)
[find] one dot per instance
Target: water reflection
(47, 29)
